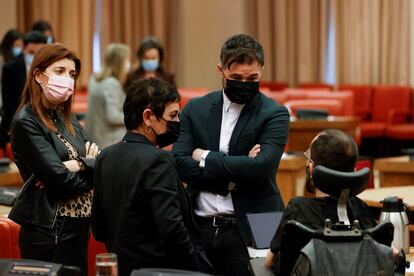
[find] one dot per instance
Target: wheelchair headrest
(332, 182)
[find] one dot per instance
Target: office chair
(341, 248)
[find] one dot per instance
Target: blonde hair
(113, 63)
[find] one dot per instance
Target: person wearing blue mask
(150, 56)
(45, 28)
(11, 47)
(14, 78)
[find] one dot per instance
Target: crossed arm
(221, 168)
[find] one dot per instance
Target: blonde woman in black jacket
(56, 160)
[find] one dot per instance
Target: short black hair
(41, 26)
(150, 42)
(34, 37)
(335, 150)
(152, 93)
(242, 49)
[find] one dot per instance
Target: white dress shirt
(210, 204)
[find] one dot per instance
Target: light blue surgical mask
(150, 65)
(16, 51)
(28, 59)
(49, 39)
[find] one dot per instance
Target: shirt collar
(227, 103)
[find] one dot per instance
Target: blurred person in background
(13, 79)
(11, 47)
(56, 161)
(105, 118)
(150, 56)
(45, 28)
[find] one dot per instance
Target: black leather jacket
(39, 155)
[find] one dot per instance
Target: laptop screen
(263, 227)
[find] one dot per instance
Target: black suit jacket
(262, 121)
(13, 81)
(140, 209)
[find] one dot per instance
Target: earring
(147, 129)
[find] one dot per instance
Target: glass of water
(106, 264)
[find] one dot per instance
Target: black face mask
(169, 137)
(309, 186)
(241, 92)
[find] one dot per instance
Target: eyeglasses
(307, 154)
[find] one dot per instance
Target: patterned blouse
(78, 206)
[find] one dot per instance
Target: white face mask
(58, 89)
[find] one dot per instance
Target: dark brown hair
(335, 150)
(33, 91)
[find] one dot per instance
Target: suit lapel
(245, 115)
(214, 125)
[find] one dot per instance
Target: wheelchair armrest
(382, 233)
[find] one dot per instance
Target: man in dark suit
(13, 80)
(229, 148)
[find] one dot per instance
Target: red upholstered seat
(9, 243)
(189, 93)
(279, 97)
(273, 85)
(315, 85)
(332, 106)
(9, 238)
(94, 248)
(401, 131)
(345, 97)
(362, 99)
(372, 129)
(386, 99)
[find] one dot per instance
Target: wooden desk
(11, 177)
(373, 197)
(4, 210)
(291, 176)
(302, 132)
(395, 171)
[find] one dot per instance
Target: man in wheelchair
(315, 230)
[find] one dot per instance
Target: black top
(12, 83)
(140, 209)
(312, 212)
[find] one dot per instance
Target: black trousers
(66, 243)
(224, 248)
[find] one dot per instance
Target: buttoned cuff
(202, 163)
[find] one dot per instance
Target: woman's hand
(92, 150)
(72, 165)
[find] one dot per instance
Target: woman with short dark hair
(140, 210)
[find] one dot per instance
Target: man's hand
(92, 150)
(254, 151)
(39, 185)
(197, 153)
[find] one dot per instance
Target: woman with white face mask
(105, 118)
(56, 162)
(150, 56)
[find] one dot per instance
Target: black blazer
(13, 81)
(262, 121)
(140, 210)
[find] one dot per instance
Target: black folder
(263, 227)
